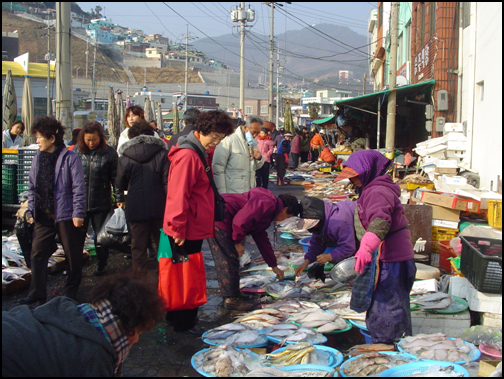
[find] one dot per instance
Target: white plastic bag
(245, 258)
(117, 223)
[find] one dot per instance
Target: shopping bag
(106, 239)
(182, 285)
(117, 223)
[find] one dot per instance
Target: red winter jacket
(190, 203)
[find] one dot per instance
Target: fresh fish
(296, 337)
(268, 311)
(231, 326)
(357, 366)
(219, 334)
(260, 317)
(319, 316)
(280, 333)
(255, 281)
(436, 296)
(285, 326)
(294, 354)
(442, 304)
(224, 367)
(256, 324)
(337, 324)
(313, 324)
(285, 289)
(246, 337)
(271, 372)
(441, 355)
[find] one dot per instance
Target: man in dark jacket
(143, 172)
(189, 118)
(63, 339)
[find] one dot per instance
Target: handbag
(220, 203)
(182, 278)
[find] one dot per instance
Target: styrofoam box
(456, 145)
(445, 224)
(452, 325)
(453, 127)
(459, 286)
(446, 163)
(484, 302)
(454, 179)
(491, 319)
(455, 136)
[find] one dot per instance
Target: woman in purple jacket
(57, 204)
(334, 228)
(247, 213)
(385, 255)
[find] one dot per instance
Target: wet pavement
(161, 351)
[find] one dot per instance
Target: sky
(212, 19)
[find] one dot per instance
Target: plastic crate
(22, 188)
(325, 169)
(482, 268)
(9, 156)
(495, 213)
(445, 252)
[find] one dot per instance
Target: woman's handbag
(182, 278)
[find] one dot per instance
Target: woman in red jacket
(190, 202)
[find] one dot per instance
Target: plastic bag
(480, 334)
(106, 239)
(117, 223)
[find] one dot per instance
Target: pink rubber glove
(369, 243)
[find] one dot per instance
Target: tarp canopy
(328, 120)
(371, 99)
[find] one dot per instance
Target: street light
(77, 73)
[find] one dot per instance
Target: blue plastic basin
(305, 242)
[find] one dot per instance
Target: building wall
(434, 52)
(481, 109)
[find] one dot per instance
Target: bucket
(305, 242)
(367, 336)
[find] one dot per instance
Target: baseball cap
(288, 134)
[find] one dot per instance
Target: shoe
(29, 301)
(237, 304)
(100, 270)
(196, 331)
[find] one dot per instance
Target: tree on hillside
(313, 110)
(96, 12)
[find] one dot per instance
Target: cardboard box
(442, 213)
(458, 180)
(445, 224)
(446, 163)
(446, 170)
(487, 367)
(447, 201)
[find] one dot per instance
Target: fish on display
(223, 361)
(437, 347)
(272, 372)
(436, 371)
(373, 363)
(286, 289)
(295, 354)
(255, 281)
(436, 300)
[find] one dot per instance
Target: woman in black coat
(143, 172)
(99, 164)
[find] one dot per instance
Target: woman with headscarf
(385, 255)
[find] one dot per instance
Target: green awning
(328, 120)
(371, 98)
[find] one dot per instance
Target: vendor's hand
(240, 249)
(78, 222)
(279, 273)
(324, 258)
(120, 205)
(363, 257)
(30, 220)
(302, 267)
(179, 241)
(257, 154)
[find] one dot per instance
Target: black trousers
(295, 159)
(262, 175)
(141, 233)
(42, 249)
(281, 165)
(97, 220)
(315, 153)
(186, 319)
(304, 156)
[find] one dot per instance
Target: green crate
(9, 158)
(22, 188)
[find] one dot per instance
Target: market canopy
(328, 120)
(371, 99)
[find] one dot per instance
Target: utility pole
(87, 55)
(364, 85)
(242, 58)
(277, 97)
(186, 67)
(48, 59)
(391, 107)
(93, 81)
(270, 99)
(63, 73)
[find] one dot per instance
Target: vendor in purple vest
(333, 225)
(385, 244)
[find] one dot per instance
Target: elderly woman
(57, 204)
(14, 135)
(99, 162)
(247, 213)
(143, 172)
(190, 204)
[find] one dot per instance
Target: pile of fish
(235, 334)
(288, 332)
(224, 361)
(323, 321)
(262, 318)
(369, 348)
(340, 305)
(290, 289)
(436, 300)
(12, 274)
(436, 371)
(437, 346)
(299, 353)
(255, 281)
(273, 372)
(373, 363)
